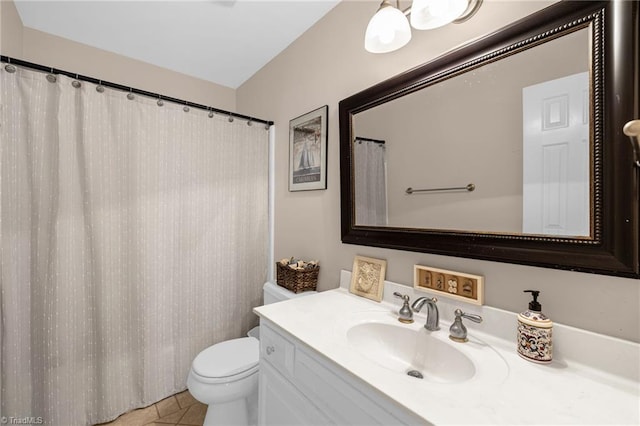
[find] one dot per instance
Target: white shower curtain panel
(370, 182)
(132, 237)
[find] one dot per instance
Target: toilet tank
(274, 293)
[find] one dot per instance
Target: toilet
(225, 376)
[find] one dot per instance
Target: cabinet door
(280, 403)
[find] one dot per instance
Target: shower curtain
(133, 235)
(370, 165)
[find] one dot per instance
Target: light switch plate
(455, 285)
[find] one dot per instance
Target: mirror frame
(613, 248)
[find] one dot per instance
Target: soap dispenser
(535, 332)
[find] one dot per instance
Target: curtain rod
(51, 70)
(360, 139)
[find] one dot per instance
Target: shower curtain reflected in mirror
(132, 237)
(370, 182)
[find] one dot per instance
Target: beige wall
(46, 49)
(10, 30)
(328, 63)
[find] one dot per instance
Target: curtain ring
(10, 68)
(75, 83)
(210, 113)
(249, 123)
(130, 96)
(99, 87)
(230, 118)
(186, 107)
(160, 101)
(51, 78)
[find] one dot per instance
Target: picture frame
(367, 277)
(308, 151)
(459, 286)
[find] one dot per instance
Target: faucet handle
(405, 314)
(457, 331)
(401, 296)
(472, 317)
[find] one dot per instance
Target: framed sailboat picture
(308, 151)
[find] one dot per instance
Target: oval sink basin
(405, 350)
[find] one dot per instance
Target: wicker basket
(295, 280)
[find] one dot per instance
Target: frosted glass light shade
(429, 14)
(388, 30)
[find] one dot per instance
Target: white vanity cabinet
(299, 386)
(329, 359)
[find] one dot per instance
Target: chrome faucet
(433, 317)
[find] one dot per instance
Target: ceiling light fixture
(389, 29)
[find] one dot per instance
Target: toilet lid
(227, 358)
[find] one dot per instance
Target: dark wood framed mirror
(482, 115)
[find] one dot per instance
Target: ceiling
(224, 42)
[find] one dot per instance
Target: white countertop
(563, 392)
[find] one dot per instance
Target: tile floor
(180, 409)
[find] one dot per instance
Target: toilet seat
(225, 380)
(227, 361)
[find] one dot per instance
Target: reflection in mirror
(371, 181)
(517, 128)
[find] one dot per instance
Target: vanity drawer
(277, 350)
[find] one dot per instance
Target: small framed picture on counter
(367, 277)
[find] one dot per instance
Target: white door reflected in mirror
(556, 146)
